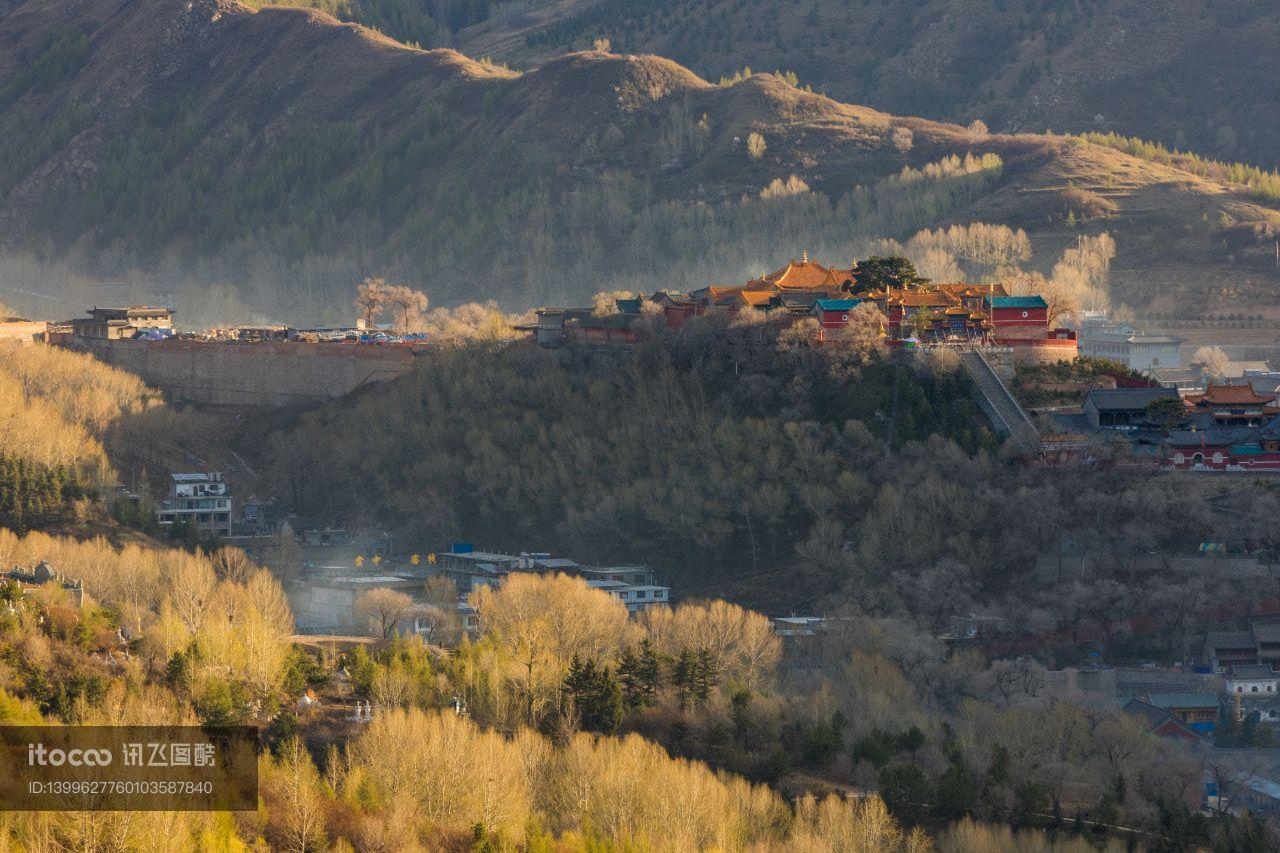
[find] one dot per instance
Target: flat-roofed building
(118, 323)
(1136, 350)
(199, 500)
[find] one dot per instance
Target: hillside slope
(1144, 69)
(288, 155)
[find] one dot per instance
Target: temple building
(1234, 404)
(924, 312)
(1225, 448)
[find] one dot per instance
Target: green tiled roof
(1036, 301)
(1184, 700)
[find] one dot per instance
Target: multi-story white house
(201, 500)
(636, 597)
(1141, 351)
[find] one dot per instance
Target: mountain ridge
(290, 154)
(1020, 66)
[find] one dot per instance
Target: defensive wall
(252, 374)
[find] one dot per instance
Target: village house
(1225, 650)
(799, 626)
(23, 331)
(1199, 711)
(200, 501)
(110, 324)
(557, 327)
(1161, 722)
(637, 575)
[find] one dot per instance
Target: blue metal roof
(1035, 301)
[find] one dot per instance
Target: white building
(635, 597)
(1252, 680)
(200, 500)
(1141, 351)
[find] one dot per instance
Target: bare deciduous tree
(371, 298)
(409, 306)
(383, 608)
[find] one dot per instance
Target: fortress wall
(1046, 351)
(253, 374)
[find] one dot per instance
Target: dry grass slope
(320, 152)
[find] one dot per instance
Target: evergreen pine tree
(650, 672)
(629, 679)
(684, 677)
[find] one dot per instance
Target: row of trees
(872, 704)
(981, 252)
(561, 637)
(648, 460)
(32, 496)
(441, 778)
(374, 297)
(61, 406)
(212, 625)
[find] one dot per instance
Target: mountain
(1154, 70)
(1146, 69)
(265, 160)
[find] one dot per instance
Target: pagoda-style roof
(1212, 437)
(807, 275)
(757, 298)
(1229, 395)
(926, 299)
(963, 290)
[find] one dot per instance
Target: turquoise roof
(1184, 700)
(836, 304)
(1036, 301)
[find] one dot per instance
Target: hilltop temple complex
(911, 312)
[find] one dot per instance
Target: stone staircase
(1006, 415)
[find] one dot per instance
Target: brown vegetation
(595, 169)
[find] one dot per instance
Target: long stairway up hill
(996, 400)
